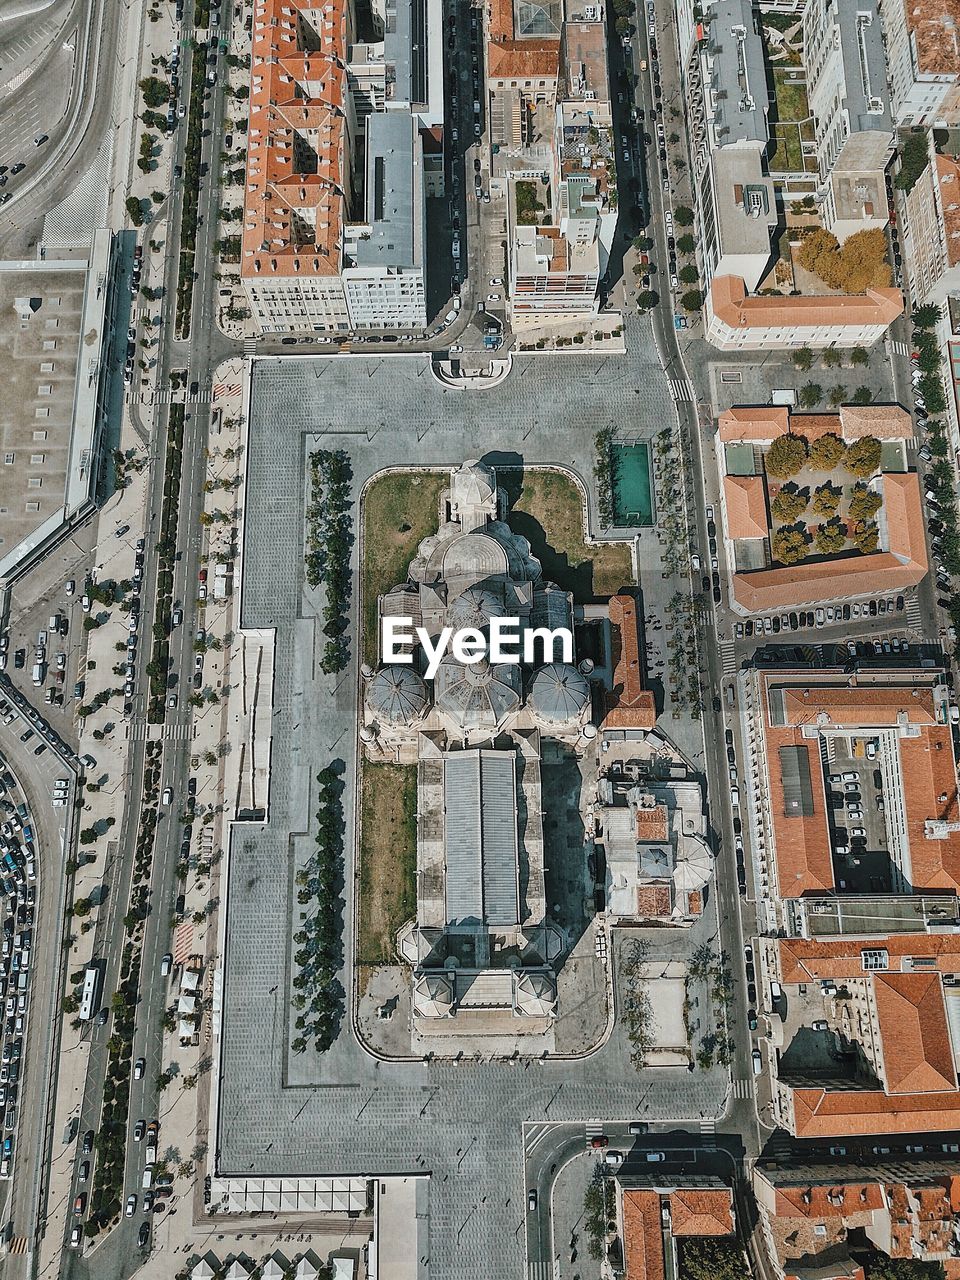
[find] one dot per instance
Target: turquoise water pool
(632, 491)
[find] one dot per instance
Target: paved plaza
(344, 1112)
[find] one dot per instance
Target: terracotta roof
(853, 704)
(819, 1113)
(766, 422)
(936, 32)
(629, 705)
(508, 57)
(733, 307)
(884, 421)
(642, 1236)
(948, 177)
(694, 903)
(746, 506)
(762, 422)
(293, 221)
(917, 1054)
(701, 1213)
(802, 844)
(654, 901)
(817, 959)
(930, 791)
(828, 1200)
(652, 823)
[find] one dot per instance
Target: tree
(830, 538)
(643, 244)
(688, 274)
(837, 395)
(789, 544)
(826, 451)
(926, 317)
(134, 211)
(623, 27)
(811, 393)
(692, 300)
(859, 356)
(831, 358)
(156, 92)
(862, 396)
(826, 500)
(786, 456)
(686, 244)
(683, 216)
(789, 504)
(863, 456)
(647, 299)
(864, 503)
(866, 538)
(803, 358)
(704, 1259)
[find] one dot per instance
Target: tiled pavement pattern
(343, 1112)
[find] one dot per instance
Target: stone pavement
(347, 1113)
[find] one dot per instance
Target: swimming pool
(632, 491)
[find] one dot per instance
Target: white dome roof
(558, 693)
(397, 695)
(477, 695)
(475, 607)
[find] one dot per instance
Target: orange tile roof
(694, 903)
(762, 422)
(510, 58)
(936, 32)
(802, 844)
(828, 1200)
(948, 177)
(654, 901)
(819, 1113)
(883, 421)
(701, 1213)
(652, 823)
(854, 704)
(745, 500)
(734, 308)
(642, 1236)
(629, 705)
(293, 221)
(917, 1054)
(818, 959)
(930, 792)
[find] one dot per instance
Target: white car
(167, 797)
(131, 1208)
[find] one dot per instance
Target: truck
(38, 674)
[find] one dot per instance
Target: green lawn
(545, 507)
(791, 97)
(787, 153)
(399, 511)
(388, 858)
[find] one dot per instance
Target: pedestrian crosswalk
(743, 1088)
(17, 1245)
(250, 346)
(708, 1126)
(177, 732)
(140, 730)
(681, 389)
(914, 617)
(537, 1271)
(728, 658)
(899, 348)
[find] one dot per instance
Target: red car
(599, 1142)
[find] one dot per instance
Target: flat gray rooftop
(394, 194)
(40, 313)
(738, 73)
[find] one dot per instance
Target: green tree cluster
(789, 504)
(786, 456)
(826, 451)
(863, 456)
(859, 264)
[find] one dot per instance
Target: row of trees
(791, 543)
(159, 664)
(329, 542)
(789, 454)
(319, 998)
(792, 501)
(191, 191)
(603, 467)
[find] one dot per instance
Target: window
(37, 459)
(874, 960)
(8, 459)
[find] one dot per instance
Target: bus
(92, 990)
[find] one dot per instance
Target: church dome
(474, 482)
(558, 694)
(475, 607)
(397, 695)
(477, 695)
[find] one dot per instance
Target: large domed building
(481, 946)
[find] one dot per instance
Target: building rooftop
(629, 704)
(642, 1236)
(734, 308)
(394, 175)
(948, 179)
(695, 1212)
(746, 202)
(524, 46)
(763, 423)
(917, 1052)
(295, 202)
(738, 74)
(864, 65)
(583, 63)
(745, 500)
(480, 837)
(935, 28)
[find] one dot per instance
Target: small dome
(397, 695)
(475, 608)
(474, 482)
(558, 693)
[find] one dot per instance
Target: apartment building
(931, 229)
(334, 205)
(923, 60)
(729, 135)
(847, 90)
(737, 321)
(559, 155)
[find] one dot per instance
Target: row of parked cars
(17, 872)
(822, 616)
